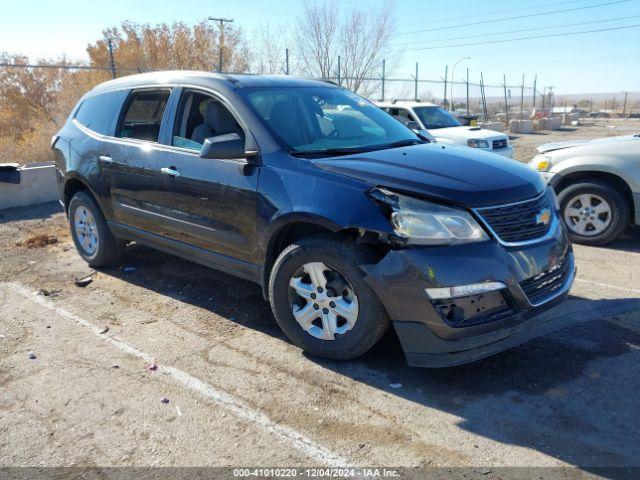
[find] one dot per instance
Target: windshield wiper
(404, 143)
(327, 152)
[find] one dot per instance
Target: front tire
(595, 212)
(91, 235)
(321, 301)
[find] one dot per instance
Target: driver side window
(201, 116)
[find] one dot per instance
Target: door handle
(171, 171)
(105, 158)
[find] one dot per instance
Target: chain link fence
(35, 100)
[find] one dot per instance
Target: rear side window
(98, 113)
(143, 115)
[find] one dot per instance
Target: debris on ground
(164, 400)
(115, 365)
(48, 293)
(103, 330)
(152, 366)
(129, 269)
(84, 281)
(38, 241)
(32, 355)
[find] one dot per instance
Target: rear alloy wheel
(595, 213)
(90, 232)
(321, 301)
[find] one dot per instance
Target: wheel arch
(74, 185)
(580, 176)
(294, 227)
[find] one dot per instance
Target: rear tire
(595, 212)
(91, 235)
(345, 286)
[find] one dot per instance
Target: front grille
(545, 284)
(519, 222)
(498, 144)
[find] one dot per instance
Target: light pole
(452, 77)
(221, 21)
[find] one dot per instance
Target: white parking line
(606, 285)
(236, 406)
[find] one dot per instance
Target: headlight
(475, 143)
(425, 223)
(542, 163)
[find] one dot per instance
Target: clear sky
(605, 61)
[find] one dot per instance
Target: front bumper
(431, 336)
(505, 152)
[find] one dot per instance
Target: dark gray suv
(347, 220)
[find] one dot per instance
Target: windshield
(435, 117)
(326, 120)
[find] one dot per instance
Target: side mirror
(413, 125)
(226, 147)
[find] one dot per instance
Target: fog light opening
(463, 290)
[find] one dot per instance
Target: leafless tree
(360, 38)
(270, 45)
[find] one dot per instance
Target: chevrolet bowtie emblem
(544, 217)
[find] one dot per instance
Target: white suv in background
(444, 128)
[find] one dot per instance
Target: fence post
(467, 90)
(535, 81)
(286, 61)
(522, 97)
(383, 77)
(446, 74)
(506, 102)
(416, 84)
(113, 63)
(484, 98)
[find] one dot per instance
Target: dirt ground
(162, 362)
(525, 145)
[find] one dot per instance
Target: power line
(548, 27)
(513, 18)
(524, 38)
(494, 12)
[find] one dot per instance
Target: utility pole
(339, 79)
(624, 105)
(111, 60)
(221, 22)
(484, 98)
(544, 98)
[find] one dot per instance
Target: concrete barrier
(496, 126)
(548, 123)
(37, 184)
(521, 126)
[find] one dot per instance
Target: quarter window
(98, 113)
(143, 117)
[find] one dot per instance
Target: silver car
(598, 185)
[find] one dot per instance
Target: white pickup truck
(444, 128)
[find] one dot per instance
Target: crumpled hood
(455, 174)
(550, 147)
(465, 133)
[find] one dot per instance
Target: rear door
(132, 161)
(211, 203)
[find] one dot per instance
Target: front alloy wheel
(322, 301)
(587, 214)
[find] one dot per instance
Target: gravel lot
(239, 394)
(525, 145)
